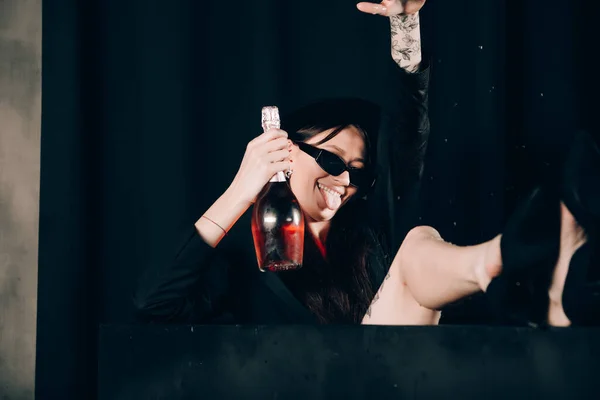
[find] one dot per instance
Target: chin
(327, 215)
(322, 214)
(319, 215)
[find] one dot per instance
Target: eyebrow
(343, 153)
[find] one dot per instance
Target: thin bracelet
(224, 231)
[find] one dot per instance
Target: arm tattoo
(377, 295)
(406, 41)
(382, 283)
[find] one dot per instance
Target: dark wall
(148, 107)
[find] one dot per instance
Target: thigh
(393, 303)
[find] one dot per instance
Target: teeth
(325, 188)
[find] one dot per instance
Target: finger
(280, 166)
(372, 8)
(281, 143)
(269, 135)
(274, 133)
(277, 156)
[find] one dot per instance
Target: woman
(214, 275)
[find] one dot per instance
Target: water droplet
(493, 87)
(446, 140)
(541, 94)
(480, 47)
(420, 218)
(192, 329)
(454, 223)
(431, 178)
(398, 198)
(395, 385)
(523, 146)
(518, 283)
(455, 104)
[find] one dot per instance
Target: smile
(329, 190)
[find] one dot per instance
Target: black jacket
(224, 285)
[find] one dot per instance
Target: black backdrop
(148, 105)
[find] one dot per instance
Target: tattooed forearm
(406, 41)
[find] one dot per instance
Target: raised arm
(406, 41)
(405, 29)
(403, 139)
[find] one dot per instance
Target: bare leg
(428, 273)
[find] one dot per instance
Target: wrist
(236, 198)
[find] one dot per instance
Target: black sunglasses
(361, 178)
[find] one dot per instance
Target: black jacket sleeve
(189, 289)
(401, 150)
(409, 139)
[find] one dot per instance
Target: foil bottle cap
(270, 118)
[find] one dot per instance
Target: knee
(420, 233)
(413, 244)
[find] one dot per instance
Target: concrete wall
(20, 115)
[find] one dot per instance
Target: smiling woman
(332, 147)
(336, 148)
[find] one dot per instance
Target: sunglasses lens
(360, 178)
(332, 164)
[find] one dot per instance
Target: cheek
(304, 178)
(306, 172)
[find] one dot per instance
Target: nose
(343, 179)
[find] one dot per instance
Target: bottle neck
(279, 177)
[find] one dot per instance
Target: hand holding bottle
(265, 156)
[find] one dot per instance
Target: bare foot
(491, 264)
(572, 236)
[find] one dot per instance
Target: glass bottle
(277, 220)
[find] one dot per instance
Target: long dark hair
(340, 288)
